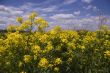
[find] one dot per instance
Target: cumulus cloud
(67, 21)
(48, 9)
(88, 14)
(62, 16)
(10, 10)
(93, 8)
(88, 7)
(77, 13)
(69, 1)
(5, 21)
(87, 1)
(8, 15)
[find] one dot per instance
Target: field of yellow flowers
(54, 51)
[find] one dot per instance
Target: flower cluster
(23, 50)
(43, 63)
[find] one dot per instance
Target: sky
(69, 14)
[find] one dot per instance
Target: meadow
(53, 51)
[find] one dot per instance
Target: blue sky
(66, 13)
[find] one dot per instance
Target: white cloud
(88, 14)
(90, 22)
(77, 13)
(49, 9)
(93, 8)
(69, 1)
(9, 10)
(87, 1)
(62, 16)
(8, 14)
(28, 5)
(88, 7)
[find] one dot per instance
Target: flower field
(53, 51)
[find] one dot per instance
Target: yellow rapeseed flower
(2, 49)
(58, 61)
(43, 63)
(28, 22)
(38, 21)
(36, 49)
(53, 32)
(82, 47)
(11, 27)
(27, 58)
(43, 38)
(107, 43)
(69, 60)
(107, 53)
(23, 72)
(19, 19)
(50, 65)
(56, 69)
(49, 46)
(15, 38)
(33, 15)
(71, 46)
(64, 40)
(20, 64)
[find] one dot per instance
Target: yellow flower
(8, 63)
(82, 47)
(50, 65)
(41, 22)
(44, 22)
(27, 58)
(57, 28)
(2, 49)
(1, 41)
(43, 63)
(87, 39)
(73, 34)
(36, 49)
(15, 38)
(107, 43)
(20, 64)
(53, 32)
(63, 36)
(11, 27)
(27, 22)
(56, 69)
(71, 46)
(38, 21)
(64, 40)
(69, 60)
(33, 15)
(58, 61)
(58, 48)
(23, 26)
(96, 50)
(43, 38)
(49, 46)
(23, 72)
(107, 53)
(19, 19)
